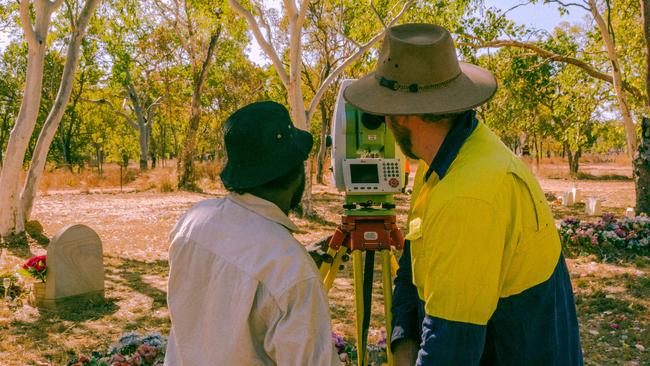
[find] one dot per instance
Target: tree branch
(71, 14)
(590, 70)
(326, 83)
(26, 23)
(264, 45)
(566, 5)
(645, 11)
(374, 10)
(151, 108)
(103, 101)
(304, 5)
(290, 7)
(53, 5)
(267, 27)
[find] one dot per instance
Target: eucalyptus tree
(36, 30)
(12, 77)
(613, 39)
(200, 31)
(129, 26)
(642, 161)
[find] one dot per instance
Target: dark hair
(279, 183)
(439, 117)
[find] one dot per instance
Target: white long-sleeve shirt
(243, 291)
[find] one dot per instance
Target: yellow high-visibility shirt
(481, 233)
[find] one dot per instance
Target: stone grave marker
(577, 195)
(593, 206)
(75, 268)
(567, 199)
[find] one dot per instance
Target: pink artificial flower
(614, 326)
(620, 233)
(148, 352)
(136, 359)
(117, 358)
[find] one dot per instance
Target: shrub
(631, 235)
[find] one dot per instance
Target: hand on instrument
(318, 249)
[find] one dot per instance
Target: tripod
(369, 234)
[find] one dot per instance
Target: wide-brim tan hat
(418, 72)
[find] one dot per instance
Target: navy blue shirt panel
(535, 327)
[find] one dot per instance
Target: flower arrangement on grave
(348, 352)
(630, 234)
(35, 267)
(132, 349)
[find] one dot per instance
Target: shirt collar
(263, 208)
(460, 130)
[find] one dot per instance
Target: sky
(541, 16)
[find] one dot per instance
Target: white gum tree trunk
(11, 220)
(621, 94)
(37, 165)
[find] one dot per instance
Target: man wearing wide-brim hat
(482, 279)
(242, 290)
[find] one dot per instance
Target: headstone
(3, 258)
(577, 195)
(629, 213)
(593, 206)
(75, 268)
(567, 199)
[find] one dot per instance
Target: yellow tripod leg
(386, 273)
(325, 267)
(357, 267)
(394, 265)
(331, 275)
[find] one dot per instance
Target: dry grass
(86, 179)
(134, 229)
(160, 179)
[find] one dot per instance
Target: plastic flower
(339, 342)
(609, 217)
(35, 267)
(154, 339)
(147, 352)
(136, 359)
(620, 232)
(128, 343)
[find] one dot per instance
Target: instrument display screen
(364, 173)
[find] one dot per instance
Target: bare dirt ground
(612, 298)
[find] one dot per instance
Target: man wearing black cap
(482, 280)
(242, 290)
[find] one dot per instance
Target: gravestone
(593, 206)
(577, 195)
(567, 199)
(75, 268)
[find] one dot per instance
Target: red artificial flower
(83, 359)
(35, 267)
(36, 263)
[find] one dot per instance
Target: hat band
(413, 88)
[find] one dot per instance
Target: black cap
(262, 144)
